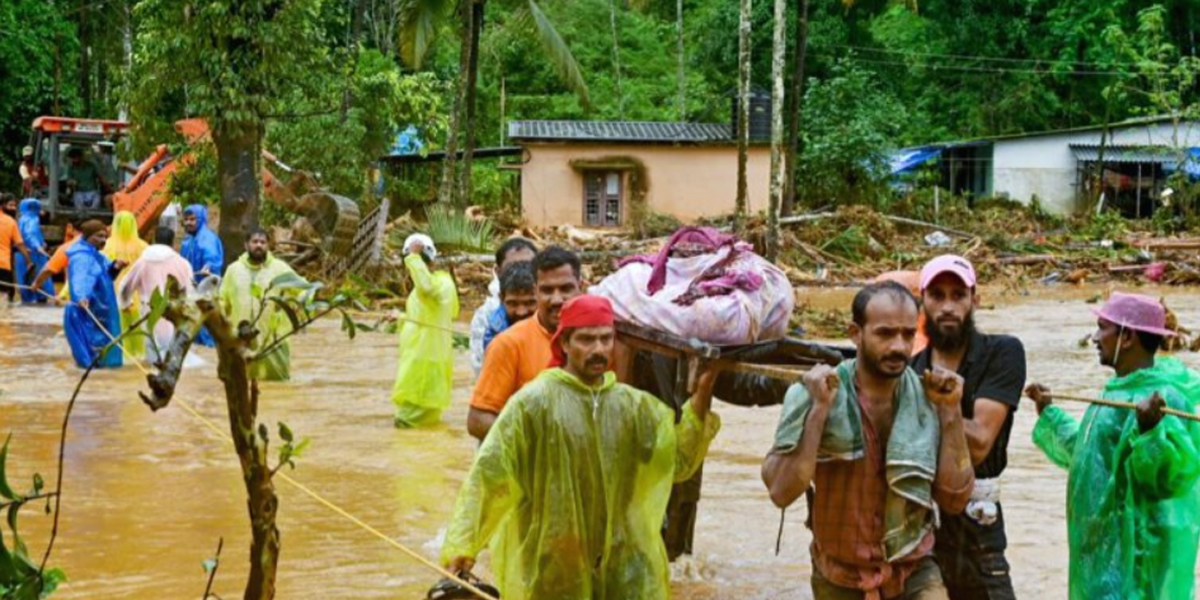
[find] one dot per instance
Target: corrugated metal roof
(1125, 154)
(619, 131)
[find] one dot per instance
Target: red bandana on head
(581, 311)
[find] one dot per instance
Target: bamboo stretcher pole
(1125, 405)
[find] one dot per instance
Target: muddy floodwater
(147, 496)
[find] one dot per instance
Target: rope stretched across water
(296, 484)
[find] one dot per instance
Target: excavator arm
(332, 219)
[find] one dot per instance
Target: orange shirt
(58, 261)
(513, 359)
(10, 237)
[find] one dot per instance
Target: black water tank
(760, 115)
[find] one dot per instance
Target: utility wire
(986, 58)
(970, 69)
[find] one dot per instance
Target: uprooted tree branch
(237, 346)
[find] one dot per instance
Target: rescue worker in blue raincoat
(90, 276)
(29, 222)
(204, 251)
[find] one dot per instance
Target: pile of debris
(1012, 247)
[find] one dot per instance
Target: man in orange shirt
(10, 238)
(522, 351)
(57, 265)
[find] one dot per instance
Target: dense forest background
(879, 74)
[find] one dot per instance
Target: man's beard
(874, 364)
(950, 340)
(258, 256)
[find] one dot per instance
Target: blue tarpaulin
(1191, 165)
(907, 159)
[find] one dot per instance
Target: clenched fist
(942, 387)
(822, 383)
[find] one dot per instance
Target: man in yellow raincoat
(1133, 495)
(124, 245)
(242, 290)
(425, 375)
(575, 474)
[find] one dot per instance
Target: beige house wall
(683, 181)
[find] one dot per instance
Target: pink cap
(1136, 312)
(948, 263)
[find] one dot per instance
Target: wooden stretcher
(727, 358)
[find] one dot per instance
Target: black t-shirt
(993, 368)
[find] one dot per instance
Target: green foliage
(236, 59)
(291, 449)
(453, 230)
(196, 183)
(339, 146)
(850, 124)
(30, 33)
(1108, 225)
(850, 243)
(20, 576)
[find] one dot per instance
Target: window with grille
(602, 196)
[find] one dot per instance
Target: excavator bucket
(334, 217)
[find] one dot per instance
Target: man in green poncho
(246, 282)
(574, 475)
(1133, 503)
(425, 375)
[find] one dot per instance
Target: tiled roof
(619, 131)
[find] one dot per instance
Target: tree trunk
(85, 67)
(796, 102)
(743, 129)
(241, 397)
(446, 192)
(238, 152)
(612, 19)
(777, 96)
(465, 191)
(682, 100)
(126, 60)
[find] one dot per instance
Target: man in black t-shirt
(970, 546)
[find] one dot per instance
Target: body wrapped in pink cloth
(703, 284)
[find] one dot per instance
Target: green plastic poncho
(242, 292)
(574, 482)
(425, 375)
(1133, 503)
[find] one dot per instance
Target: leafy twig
(28, 499)
(212, 572)
(62, 450)
(275, 344)
(62, 441)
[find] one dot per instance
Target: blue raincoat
(89, 274)
(31, 231)
(203, 249)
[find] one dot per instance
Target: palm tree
(777, 52)
(417, 32)
(743, 129)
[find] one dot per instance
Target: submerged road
(146, 496)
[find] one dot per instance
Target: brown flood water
(146, 496)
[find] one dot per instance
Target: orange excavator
(326, 220)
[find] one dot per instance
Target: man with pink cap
(970, 546)
(1133, 501)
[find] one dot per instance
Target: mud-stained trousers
(971, 557)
